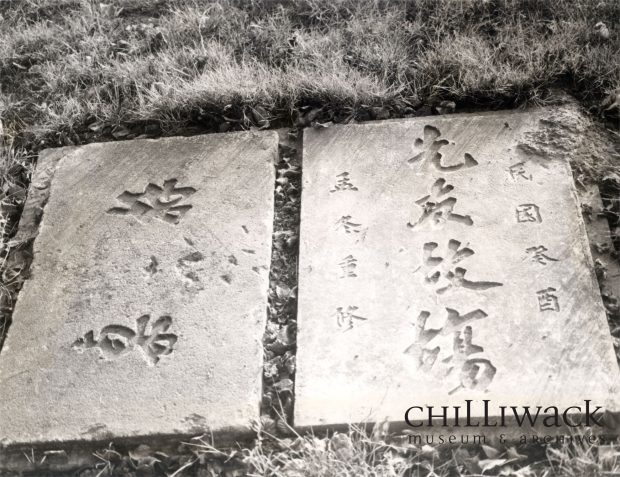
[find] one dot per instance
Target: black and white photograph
(309, 238)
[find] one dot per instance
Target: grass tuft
(15, 169)
(65, 65)
(580, 459)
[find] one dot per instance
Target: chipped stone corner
(20, 248)
(38, 193)
(568, 132)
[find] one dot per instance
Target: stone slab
(444, 259)
(146, 306)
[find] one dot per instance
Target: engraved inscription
(518, 171)
(538, 255)
(548, 300)
(439, 209)
(348, 266)
(345, 223)
(427, 151)
(471, 373)
(454, 322)
(528, 213)
(346, 317)
(163, 203)
(343, 182)
(190, 266)
(441, 272)
(151, 269)
(116, 340)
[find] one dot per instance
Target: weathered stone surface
(444, 259)
(601, 246)
(145, 309)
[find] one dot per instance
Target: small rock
(107, 10)
(342, 446)
(158, 41)
(97, 126)
(601, 31)
(612, 102)
(260, 116)
(446, 107)
(600, 269)
(308, 118)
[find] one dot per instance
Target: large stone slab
(146, 307)
(444, 259)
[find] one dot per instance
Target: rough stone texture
(601, 246)
(38, 193)
(142, 316)
(512, 313)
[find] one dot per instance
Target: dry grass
(371, 451)
(358, 452)
(353, 454)
(581, 459)
(15, 167)
(66, 64)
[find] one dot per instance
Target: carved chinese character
(440, 269)
(346, 317)
(538, 255)
(347, 225)
(348, 266)
(427, 152)
(528, 213)
(424, 357)
(343, 183)
(547, 300)
(472, 373)
(440, 211)
(518, 171)
(116, 340)
(454, 322)
(162, 203)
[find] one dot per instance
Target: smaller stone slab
(444, 259)
(146, 306)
